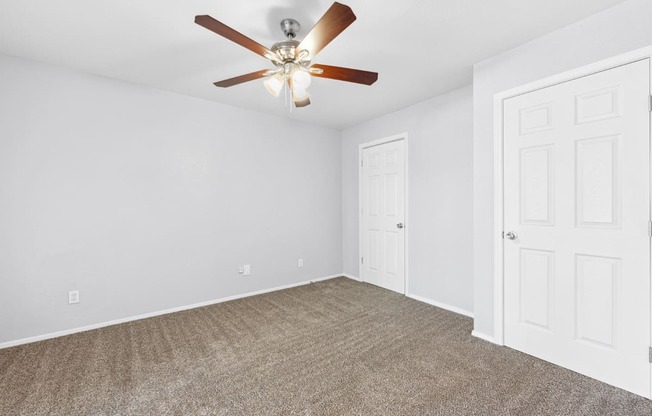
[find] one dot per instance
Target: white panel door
(383, 215)
(577, 198)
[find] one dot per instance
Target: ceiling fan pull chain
(285, 93)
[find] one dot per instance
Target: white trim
(352, 277)
(378, 142)
(441, 305)
(484, 337)
(499, 98)
(498, 223)
(65, 332)
(319, 279)
(406, 229)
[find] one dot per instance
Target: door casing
(406, 230)
(600, 66)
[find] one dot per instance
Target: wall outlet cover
(73, 297)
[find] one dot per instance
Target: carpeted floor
(332, 348)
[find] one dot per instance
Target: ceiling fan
(293, 58)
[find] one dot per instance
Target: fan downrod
(290, 28)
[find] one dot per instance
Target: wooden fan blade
(232, 35)
(345, 74)
(331, 24)
(243, 78)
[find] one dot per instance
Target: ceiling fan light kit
(292, 58)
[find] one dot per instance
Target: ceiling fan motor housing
(286, 49)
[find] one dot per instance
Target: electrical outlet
(246, 270)
(73, 297)
(300, 263)
(241, 270)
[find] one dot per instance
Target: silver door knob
(399, 225)
(511, 235)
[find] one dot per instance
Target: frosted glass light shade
(298, 93)
(301, 79)
(274, 84)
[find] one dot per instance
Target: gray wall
(440, 194)
(617, 30)
(146, 200)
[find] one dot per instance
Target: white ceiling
(420, 48)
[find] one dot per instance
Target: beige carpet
(333, 348)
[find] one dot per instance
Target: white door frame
(634, 56)
(406, 222)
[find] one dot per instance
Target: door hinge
(650, 355)
(361, 260)
(649, 229)
(362, 163)
(649, 104)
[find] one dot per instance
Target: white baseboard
(319, 279)
(352, 277)
(65, 332)
(484, 337)
(442, 305)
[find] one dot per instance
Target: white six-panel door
(577, 200)
(383, 215)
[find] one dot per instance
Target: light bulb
(301, 79)
(274, 84)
